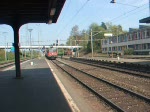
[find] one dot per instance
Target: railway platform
(37, 91)
(134, 61)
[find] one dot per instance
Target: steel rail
(92, 90)
(8, 64)
(114, 68)
(120, 88)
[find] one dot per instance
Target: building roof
(145, 20)
(30, 11)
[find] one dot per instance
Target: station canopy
(30, 11)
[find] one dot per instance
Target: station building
(136, 39)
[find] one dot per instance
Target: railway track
(8, 64)
(131, 82)
(120, 99)
(137, 71)
(5, 65)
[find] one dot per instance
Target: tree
(2, 55)
(128, 51)
(109, 26)
(114, 29)
(75, 31)
(70, 41)
(103, 25)
(75, 34)
(77, 37)
(98, 34)
(89, 47)
(83, 37)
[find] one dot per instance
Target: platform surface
(38, 91)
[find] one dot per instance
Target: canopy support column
(16, 27)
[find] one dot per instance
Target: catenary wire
(74, 17)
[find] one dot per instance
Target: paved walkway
(36, 92)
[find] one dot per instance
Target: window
(129, 37)
(109, 48)
(144, 46)
(139, 35)
(135, 36)
(148, 46)
(143, 34)
(148, 34)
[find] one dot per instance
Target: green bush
(128, 51)
(10, 56)
(2, 55)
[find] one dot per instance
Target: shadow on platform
(36, 92)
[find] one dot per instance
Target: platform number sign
(13, 49)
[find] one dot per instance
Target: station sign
(108, 34)
(13, 49)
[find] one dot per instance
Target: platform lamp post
(92, 42)
(5, 45)
(21, 43)
(30, 30)
(112, 48)
(38, 38)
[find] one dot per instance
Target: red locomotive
(51, 54)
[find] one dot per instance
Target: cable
(136, 1)
(79, 10)
(63, 15)
(127, 12)
(110, 20)
(74, 16)
(133, 13)
(66, 9)
(127, 4)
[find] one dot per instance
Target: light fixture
(52, 12)
(113, 1)
(50, 21)
(30, 30)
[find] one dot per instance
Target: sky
(83, 13)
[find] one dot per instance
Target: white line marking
(64, 91)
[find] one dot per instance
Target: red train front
(51, 53)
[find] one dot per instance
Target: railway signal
(57, 42)
(43, 49)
